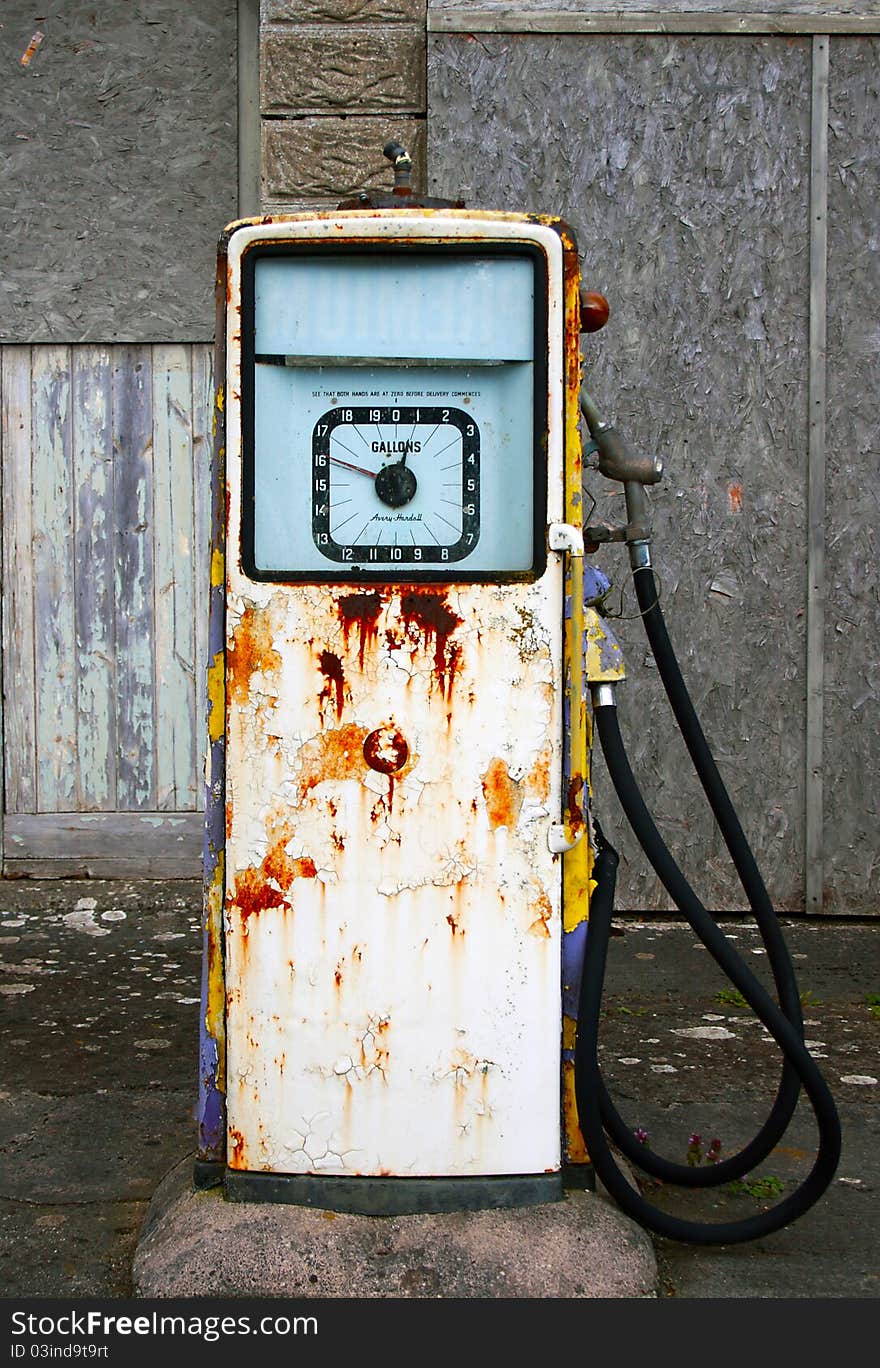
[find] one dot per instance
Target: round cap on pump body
(595, 311)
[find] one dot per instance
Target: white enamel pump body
(393, 772)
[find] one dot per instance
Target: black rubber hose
(753, 885)
(693, 909)
(589, 1086)
(719, 800)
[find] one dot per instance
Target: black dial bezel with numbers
(421, 553)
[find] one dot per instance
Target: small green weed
(731, 997)
(766, 1186)
(873, 1001)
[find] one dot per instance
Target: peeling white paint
(705, 1033)
(859, 1080)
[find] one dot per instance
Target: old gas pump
(399, 851)
(401, 528)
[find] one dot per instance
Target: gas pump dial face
(396, 484)
(394, 414)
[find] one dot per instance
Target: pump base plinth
(393, 1196)
(208, 1173)
(198, 1243)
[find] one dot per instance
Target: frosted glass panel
(458, 307)
(393, 415)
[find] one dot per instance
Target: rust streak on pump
(250, 651)
(575, 806)
(334, 680)
(456, 916)
(503, 796)
(537, 781)
(237, 1149)
(428, 613)
(253, 893)
(543, 913)
(337, 754)
(454, 926)
(360, 611)
(278, 865)
(572, 345)
(574, 1142)
(259, 889)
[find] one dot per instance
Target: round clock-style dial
(396, 484)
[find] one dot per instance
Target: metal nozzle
(397, 153)
(616, 460)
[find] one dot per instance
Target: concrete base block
(196, 1244)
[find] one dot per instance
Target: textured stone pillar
(338, 78)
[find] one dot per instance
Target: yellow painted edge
(216, 696)
(215, 1009)
(577, 863)
(604, 658)
(576, 1149)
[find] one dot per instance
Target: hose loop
(598, 1117)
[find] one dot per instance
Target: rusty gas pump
(397, 787)
(399, 852)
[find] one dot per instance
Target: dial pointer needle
(334, 460)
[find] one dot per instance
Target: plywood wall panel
(118, 139)
(852, 657)
(683, 166)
